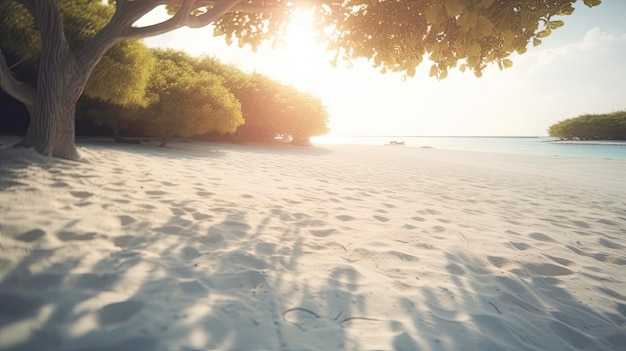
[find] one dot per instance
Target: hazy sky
(580, 68)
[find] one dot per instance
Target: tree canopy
(186, 102)
(191, 97)
(397, 35)
(610, 126)
(271, 108)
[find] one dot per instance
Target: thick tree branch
(132, 11)
(178, 20)
(183, 17)
(126, 13)
(212, 14)
(22, 92)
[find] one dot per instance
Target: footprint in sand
(189, 253)
(119, 312)
(193, 288)
(607, 222)
(322, 233)
(381, 218)
(497, 261)
(581, 224)
(177, 211)
(201, 216)
(345, 218)
(124, 241)
(212, 239)
(438, 229)
(156, 192)
(292, 202)
(243, 259)
(520, 246)
(83, 204)
(71, 236)
(126, 220)
(560, 260)
(31, 235)
(547, 269)
(81, 194)
(204, 193)
(541, 237)
(169, 229)
(610, 244)
(429, 211)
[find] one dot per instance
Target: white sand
(208, 246)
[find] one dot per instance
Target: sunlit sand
(208, 246)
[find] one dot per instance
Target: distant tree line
(610, 126)
(136, 91)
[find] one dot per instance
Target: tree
(121, 77)
(611, 126)
(306, 116)
(395, 35)
(183, 99)
(186, 102)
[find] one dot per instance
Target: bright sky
(579, 69)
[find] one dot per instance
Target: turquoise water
(511, 145)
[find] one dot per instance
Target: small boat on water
(395, 142)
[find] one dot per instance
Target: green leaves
(544, 33)
(505, 63)
(187, 100)
(451, 33)
(487, 3)
(592, 3)
(435, 15)
(454, 8)
(555, 24)
(609, 126)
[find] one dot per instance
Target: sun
(300, 38)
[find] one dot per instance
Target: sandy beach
(204, 246)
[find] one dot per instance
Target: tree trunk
(59, 85)
(61, 81)
(52, 129)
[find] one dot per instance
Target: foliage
(271, 108)
(397, 35)
(185, 102)
(268, 107)
(611, 126)
(122, 75)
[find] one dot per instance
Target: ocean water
(510, 145)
